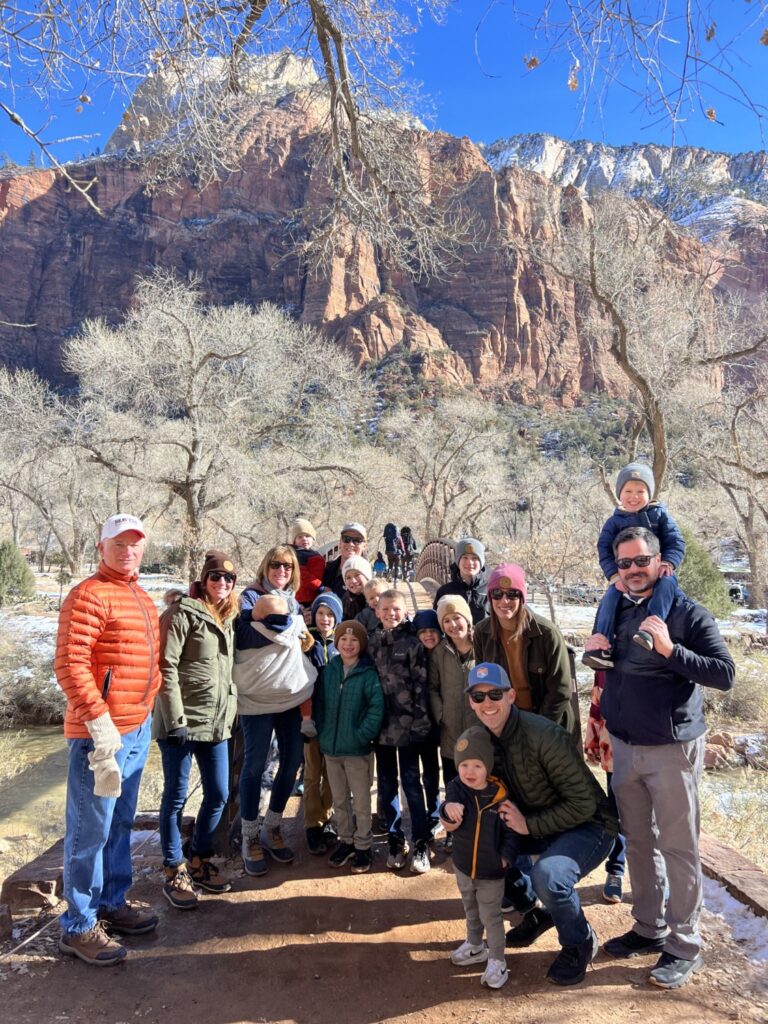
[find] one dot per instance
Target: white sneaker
(420, 860)
(495, 974)
(467, 954)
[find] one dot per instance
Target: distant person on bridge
(108, 664)
(468, 577)
(394, 550)
(353, 541)
(652, 705)
(556, 807)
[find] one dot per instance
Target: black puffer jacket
(547, 778)
(482, 839)
(474, 593)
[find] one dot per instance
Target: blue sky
(472, 67)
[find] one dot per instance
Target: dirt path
(314, 946)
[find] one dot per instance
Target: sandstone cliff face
(497, 314)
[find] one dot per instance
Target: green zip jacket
(547, 778)
(348, 711)
(196, 664)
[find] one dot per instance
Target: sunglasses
(639, 560)
(478, 696)
(228, 577)
(281, 565)
(346, 539)
(497, 593)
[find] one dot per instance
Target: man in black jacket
(652, 705)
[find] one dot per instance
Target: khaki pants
(350, 780)
(317, 790)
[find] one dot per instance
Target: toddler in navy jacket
(634, 489)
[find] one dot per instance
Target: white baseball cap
(120, 523)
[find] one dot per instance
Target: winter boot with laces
(206, 875)
(179, 889)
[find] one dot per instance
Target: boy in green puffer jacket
(349, 711)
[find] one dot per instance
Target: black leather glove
(177, 737)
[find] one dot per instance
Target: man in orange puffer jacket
(107, 664)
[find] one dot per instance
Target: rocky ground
(317, 946)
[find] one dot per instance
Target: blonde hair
(393, 595)
(371, 585)
(270, 604)
(284, 553)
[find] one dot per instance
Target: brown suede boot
(178, 888)
(205, 875)
(94, 946)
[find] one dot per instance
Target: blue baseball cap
(487, 674)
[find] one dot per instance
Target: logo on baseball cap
(120, 523)
(488, 674)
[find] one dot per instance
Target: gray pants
(350, 779)
(657, 791)
(482, 908)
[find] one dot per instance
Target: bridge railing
(433, 563)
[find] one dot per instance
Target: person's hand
(513, 817)
(666, 569)
(453, 812)
(597, 642)
(177, 737)
(592, 755)
(662, 642)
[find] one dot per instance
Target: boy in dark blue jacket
(325, 616)
(483, 848)
(634, 489)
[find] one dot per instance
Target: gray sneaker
(673, 971)
(94, 946)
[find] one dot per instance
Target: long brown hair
(224, 610)
(283, 552)
(519, 623)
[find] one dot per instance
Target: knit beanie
(469, 546)
(301, 526)
(357, 629)
(475, 745)
(510, 577)
(332, 602)
(426, 619)
(453, 604)
(217, 561)
(636, 471)
(357, 564)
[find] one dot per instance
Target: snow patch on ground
(36, 632)
(748, 930)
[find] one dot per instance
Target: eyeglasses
(639, 560)
(478, 696)
(497, 593)
(281, 565)
(228, 577)
(346, 539)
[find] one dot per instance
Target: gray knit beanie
(636, 471)
(469, 546)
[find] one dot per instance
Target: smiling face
(124, 552)
(218, 589)
(348, 647)
(354, 581)
(325, 620)
(429, 638)
(473, 773)
(469, 567)
(456, 627)
(351, 543)
(639, 580)
(391, 611)
(279, 572)
(493, 713)
(634, 496)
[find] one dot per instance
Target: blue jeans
(618, 855)
(665, 592)
(213, 764)
(563, 860)
(97, 841)
(388, 760)
(257, 739)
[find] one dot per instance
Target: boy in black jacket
(483, 848)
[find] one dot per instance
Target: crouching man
(107, 664)
(557, 808)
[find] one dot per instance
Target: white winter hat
(120, 523)
(357, 564)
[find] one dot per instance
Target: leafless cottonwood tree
(211, 407)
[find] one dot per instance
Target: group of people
(323, 658)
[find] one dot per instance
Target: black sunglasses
(497, 593)
(229, 577)
(281, 565)
(639, 560)
(478, 696)
(346, 539)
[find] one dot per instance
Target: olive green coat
(196, 654)
(448, 702)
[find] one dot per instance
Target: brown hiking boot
(129, 919)
(94, 947)
(205, 875)
(272, 841)
(178, 888)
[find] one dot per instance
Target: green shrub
(17, 581)
(700, 579)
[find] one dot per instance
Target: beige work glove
(107, 777)
(106, 739)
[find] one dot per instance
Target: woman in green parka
(193, 719)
